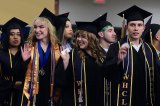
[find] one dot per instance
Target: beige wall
(26, 10)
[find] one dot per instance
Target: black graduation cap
(148, 23)
(61, 20)
(153, 28)
(87, 26)
(64, 15)
(13, 21)
(49, 15)
(101, 18)
(134, 13)
(102, 22)
(60, 24)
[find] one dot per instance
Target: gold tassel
(51, 92)
(0, 38)
(123, 26)
(151, 37)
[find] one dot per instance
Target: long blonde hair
(93, 45)
(51, 31)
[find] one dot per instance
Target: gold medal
(41, 72)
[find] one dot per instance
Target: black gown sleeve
(112, 70)
(59, 74)
(156, 79)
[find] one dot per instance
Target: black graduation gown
(157, 81)
(17, 72)
(94, 82)
(140, 86)
(43, 97)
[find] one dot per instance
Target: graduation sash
(124, 97)
(31, 84)
(79, 76)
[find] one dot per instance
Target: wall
(26, 10)
(86, 10)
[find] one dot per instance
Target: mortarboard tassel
(0, 39)
(151, 37)
(123, 26)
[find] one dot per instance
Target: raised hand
(26, 51)
(65, 56)
(122, 52)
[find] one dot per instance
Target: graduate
(13, 68)
(134, 59)
(64, 31)
(84, 75)
(152, 36)
(44, 72)
(106, 33)
(106, 36)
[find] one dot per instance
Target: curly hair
(51, 31)
(93, 45)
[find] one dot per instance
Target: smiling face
(135, 29)
(82, 41)
(14, 37)
(41, 29)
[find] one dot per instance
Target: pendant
(80, 98)
(41, 72)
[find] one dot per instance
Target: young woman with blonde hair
(45, 67)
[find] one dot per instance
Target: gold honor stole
(124, 97)
(32, 72)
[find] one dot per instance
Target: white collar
(158, 52)
(105, 49)
(137, 47)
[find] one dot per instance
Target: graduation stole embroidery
(31, 84)
(125, 88)
(79, 76)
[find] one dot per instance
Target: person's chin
(81, 47)
(15, 45)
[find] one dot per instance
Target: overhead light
(100, 1)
